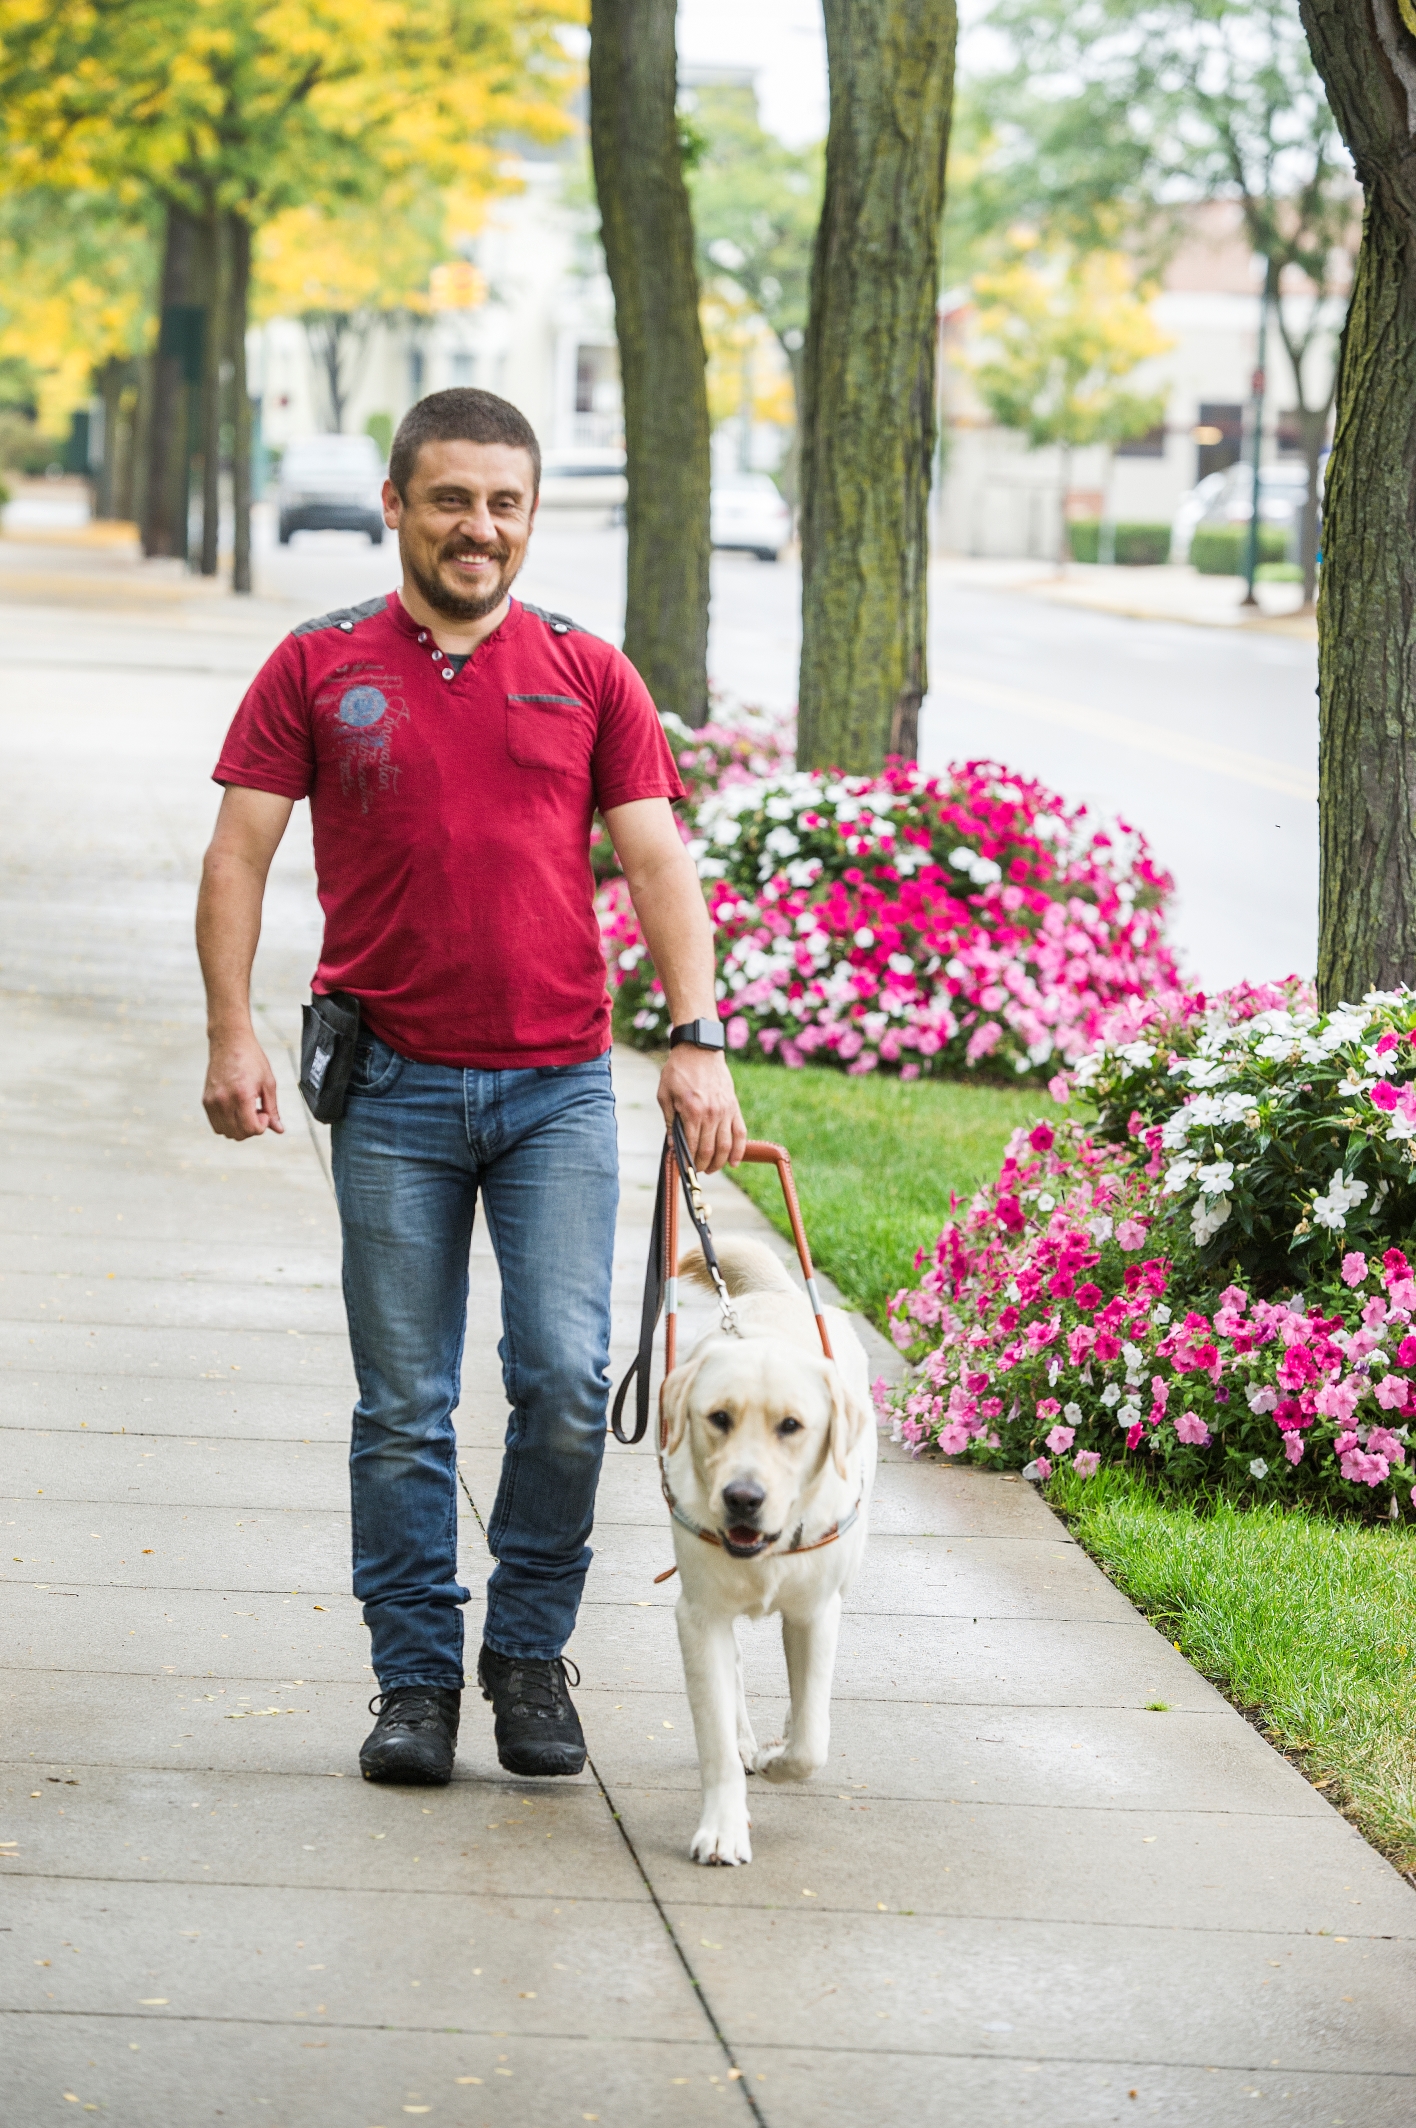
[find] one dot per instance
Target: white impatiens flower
(1177, 1175)
(780, 808)
(1205, 1071)
(1136, 1055)
(1215, 1179)
(726, 832)
(864, 937)
(782, 842)
(901, 964)
(1331, 1209)
(1207, 1218)
(1343, 1027)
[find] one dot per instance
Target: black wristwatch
(703, 1034)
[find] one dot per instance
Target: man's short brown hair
(460, 416)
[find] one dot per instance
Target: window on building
(599, 415)
(1219, 436)
(1151, 445)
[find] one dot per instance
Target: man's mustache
(496, 551)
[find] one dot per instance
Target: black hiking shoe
(537, 1728)
(415, 1736)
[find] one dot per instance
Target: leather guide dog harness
(661, 1298)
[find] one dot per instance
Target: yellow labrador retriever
(768, 1457)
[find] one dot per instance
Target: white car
(749, 515)
(1227, 498)
(331, 484)
(583, 480)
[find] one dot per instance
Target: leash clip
(698, 1213)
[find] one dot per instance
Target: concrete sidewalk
(963, 1919)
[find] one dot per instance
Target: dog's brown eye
(790, 1426)
(722, 1420)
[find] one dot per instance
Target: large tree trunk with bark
(868, 414)
(238, 303)
(1367, 604)
(648, 237)
(176, 377)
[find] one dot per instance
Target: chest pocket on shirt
(549, 731)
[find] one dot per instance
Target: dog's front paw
(723, 1838)
(786, 1762)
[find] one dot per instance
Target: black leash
(656, 1275)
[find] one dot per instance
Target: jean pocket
(376, 1067)
(598, 1067)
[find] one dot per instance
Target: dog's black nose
(743, 1497)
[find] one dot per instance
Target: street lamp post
(1251, 546)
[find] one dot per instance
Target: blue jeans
(416, 1144)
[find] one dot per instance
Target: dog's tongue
(743, 1536)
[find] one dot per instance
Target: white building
(542, 335)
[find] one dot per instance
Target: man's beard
(451, 604)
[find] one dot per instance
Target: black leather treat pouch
(327, 1045)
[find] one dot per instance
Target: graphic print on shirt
(368, 707)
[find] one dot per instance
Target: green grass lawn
(1309, 1624)
(874, 1161)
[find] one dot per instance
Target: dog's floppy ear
(673, 1401)
(848, 1420)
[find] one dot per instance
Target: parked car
(749, 515)
(331, 484)
(1226, 499)
(583, 480)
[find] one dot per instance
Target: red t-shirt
(451, 815)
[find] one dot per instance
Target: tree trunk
(109, 383)
(238, 302)
(648, 237)
(868, 401)
(176, 373)
(213, 352)
(1367, 604)
(1312, 429)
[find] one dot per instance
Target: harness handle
(661, 1272)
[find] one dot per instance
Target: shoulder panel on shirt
(343, 617)
(558, 623)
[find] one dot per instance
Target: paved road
(1019, 1895)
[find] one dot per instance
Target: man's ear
(847, 1418)
(673, 1402)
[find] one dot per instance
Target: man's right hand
(239, 1095)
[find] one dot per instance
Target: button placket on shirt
(435, 654)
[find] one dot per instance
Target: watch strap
(703, 1034)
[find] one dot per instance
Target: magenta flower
(1048, 1408)
(1043, 1467)
(1384, 1096)
(1086, 1462)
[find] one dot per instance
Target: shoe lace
(543, 1684)
(406, 1709)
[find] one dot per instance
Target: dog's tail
(748, 1267)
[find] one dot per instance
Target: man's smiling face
(464, 524)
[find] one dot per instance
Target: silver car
(331, 484)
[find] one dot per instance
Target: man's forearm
(228, 932)
(679, 934)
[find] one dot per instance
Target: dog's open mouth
(745, 1543)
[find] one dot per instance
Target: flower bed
(925, 924)
(1089, 1306)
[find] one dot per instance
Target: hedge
(1219, 550)
(1137, 546)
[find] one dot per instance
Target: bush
(1136, 546)
(1219, 550)
(1042, 1330)
(929, 924)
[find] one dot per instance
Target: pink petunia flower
(1131, 1234)
(1293, 1447)
(1354, 1268)
(1384, 1096)
(1192, 1430)
(1048, 1408)
(1043, 1467)
(1086, 1462)
(1060, 1439)
(1392, 1392)
(737, 1032)
(953, 1438)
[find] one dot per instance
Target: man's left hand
(697, 1085)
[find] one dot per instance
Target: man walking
(454, 745)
